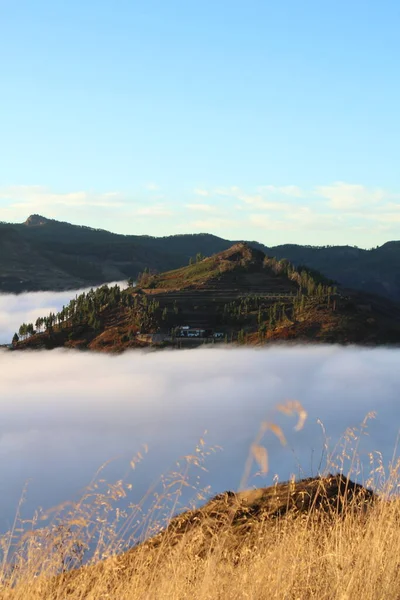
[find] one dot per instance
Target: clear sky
(253, 119)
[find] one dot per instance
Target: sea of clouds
(63, 413)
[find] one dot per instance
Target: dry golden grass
(335, 554)
(292, 558)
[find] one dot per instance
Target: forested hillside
(236, 296)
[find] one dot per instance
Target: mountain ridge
(46, 254)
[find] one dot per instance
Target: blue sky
(275, 121)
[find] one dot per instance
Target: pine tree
(261, 332)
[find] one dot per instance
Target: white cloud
(258, 201)
(152, 187)
(24, 200)
(388, 217)
(268, 194)
(268, 197)
(340, 208)
(286, 190)
(347, 197)
(232, 191)
(34, 197)
(157, 210)
(266, 222)
(200, 192)
(298, 219)
(88, 208)
(202, 207)
(214, 224)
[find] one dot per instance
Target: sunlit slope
(325, 537)
(239, 268)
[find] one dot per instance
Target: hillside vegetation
(43, 254)
(236, 296)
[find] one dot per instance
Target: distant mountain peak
(36, 220)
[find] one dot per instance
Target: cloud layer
(64, 413)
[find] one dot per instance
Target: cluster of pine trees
(145, 313)
(199, 257)
(238, 310)
(88, 308)
(268, 315)
(83, 309)
(309, 281)
(312, 289)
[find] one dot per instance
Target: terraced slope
(202, 290)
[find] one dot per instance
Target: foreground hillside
(236, 296)
(43, 254)
(324, 538)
